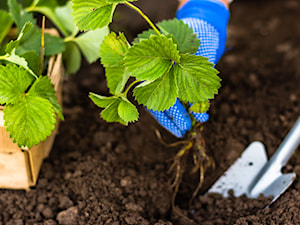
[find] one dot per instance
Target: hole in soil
(250, 163)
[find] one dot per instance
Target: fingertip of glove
(167, 123)
(180, 116)
(201, 117)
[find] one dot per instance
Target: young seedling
(31, 106)
(162, 62)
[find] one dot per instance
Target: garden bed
(100, 173)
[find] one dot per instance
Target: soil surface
(100, 173)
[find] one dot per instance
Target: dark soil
(100, 173)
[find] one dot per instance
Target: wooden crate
(19, 167)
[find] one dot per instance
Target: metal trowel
(252, 174)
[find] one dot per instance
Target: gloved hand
(209, 19)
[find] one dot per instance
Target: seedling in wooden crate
(30, 82)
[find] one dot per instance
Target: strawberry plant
(161, 60)
(159, 67)
(31, 106)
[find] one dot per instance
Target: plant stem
(42, 50)
(144, 16)
(50, 15)
(130, 86)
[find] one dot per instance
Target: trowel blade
(279, 186)
(242, 172)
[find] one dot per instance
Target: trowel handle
(287, 147)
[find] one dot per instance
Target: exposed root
(193, 148)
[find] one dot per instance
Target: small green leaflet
(14, 44)
(112, 52)
(116, 109)
(60, 16)
(127, 111)
(144, 35)
(6, 22)
(113, 49)
(92, 14)
(72, 57)
(183, 36)
(63, 14)
(152, 58)
(116, 78)
(20, 15)
(14, 81)
(196, 79)
(43, 88)
(102, 101)
(18, 60)
(200, 107)
(33, 60)
(53, 44)
(30, 120)
(89, 43)
(15, 10)
(159, 95)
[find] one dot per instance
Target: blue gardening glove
(209, 19)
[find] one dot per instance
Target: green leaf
(200, 107)
(43, 88)
(92, 14)
(196, 79)
(29, 121)
(18, 61)
(116, 109)
(33, 60)
(90, 41)
(113, 49)
(144, 35)
(72, 57)
(158, 95)
(116, 78)
(152, 58)
(110, 113)
(112, 53)
(64, 15)
(102, 101)
(53, 45)
(15, 10)
(20, 15)
(25, 3)
(14, 81)
(6, 22)
(48, 8)
(47, 3)
(12, 45)
(185, 37)
(127, 111)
